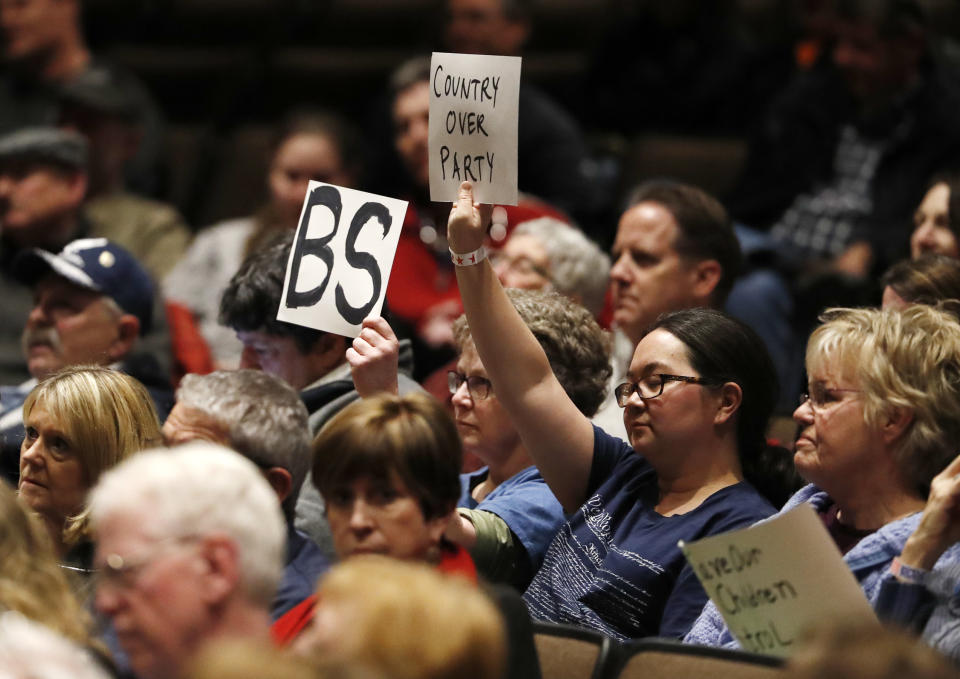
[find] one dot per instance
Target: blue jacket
(869, 560)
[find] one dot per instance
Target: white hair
(578, 267)
(201, 489)
(29, 650)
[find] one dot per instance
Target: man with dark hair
(675, 249)
(311, 361)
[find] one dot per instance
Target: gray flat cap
(45, 144)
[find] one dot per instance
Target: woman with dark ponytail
(614, 566)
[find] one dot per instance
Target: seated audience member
(863, 131)
(29, 650)
(43, 49)
(842, 651)
(92, 304)
(507, 515)
(189, 550)
(547, 254)
(97, 105)
(700, 391)
(32, 583)
(262, 418)
(881, 419)
(79, 422)
(927, 280)
(364, 620)
(921, 590)
(935, 224)
(389, 469)
(42, 186)
(307, 145)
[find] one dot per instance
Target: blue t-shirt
(615, 566)
(525, 503)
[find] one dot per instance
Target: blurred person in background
(307, 144)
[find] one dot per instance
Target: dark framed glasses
(651, 386)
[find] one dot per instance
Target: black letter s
(363, 260)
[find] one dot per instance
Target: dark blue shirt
(615, 566)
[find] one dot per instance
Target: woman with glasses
(508, 516)
(701, 388)
(881, 419)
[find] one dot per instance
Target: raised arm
(554, 431)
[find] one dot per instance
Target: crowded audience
(555, 394)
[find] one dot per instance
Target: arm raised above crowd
(555, 432)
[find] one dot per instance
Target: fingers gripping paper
(341, 258)
(774, 580)
(474, 103)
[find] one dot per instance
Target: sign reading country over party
(474, 103)
(774, 580)
(341, 258)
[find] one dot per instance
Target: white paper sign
(341, 258)
(774, 580)
(474, 102)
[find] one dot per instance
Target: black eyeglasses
(478, 387)
(651, 386)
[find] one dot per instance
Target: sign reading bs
(341, 258)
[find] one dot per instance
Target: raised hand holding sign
(474, 106)
(341, 258)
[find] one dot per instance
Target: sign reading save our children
(776, 579)
(474, 102)
(341, 258)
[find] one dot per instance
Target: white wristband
(469, 258)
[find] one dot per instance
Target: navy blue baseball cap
(95, 264)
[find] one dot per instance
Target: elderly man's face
(70, 325)
(33, 195)
(154, 592)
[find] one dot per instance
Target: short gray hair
(201, 489)
(263, 417)
(578, 267)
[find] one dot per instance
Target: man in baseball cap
(92, 300)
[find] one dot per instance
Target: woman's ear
(731, 396)
(895, 423)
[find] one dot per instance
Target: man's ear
(731, 396)
(706, 277)
(77, 183)
(280, 480)
(895, 423)
(128, 330)
(220, 568)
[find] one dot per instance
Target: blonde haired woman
(881, 420)
(78, 423)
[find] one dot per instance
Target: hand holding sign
(773, 580)
(474, 106)
(468, 223)
(341, 258)
(374, 359)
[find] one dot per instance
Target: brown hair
(411, 435)
(926, 280)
